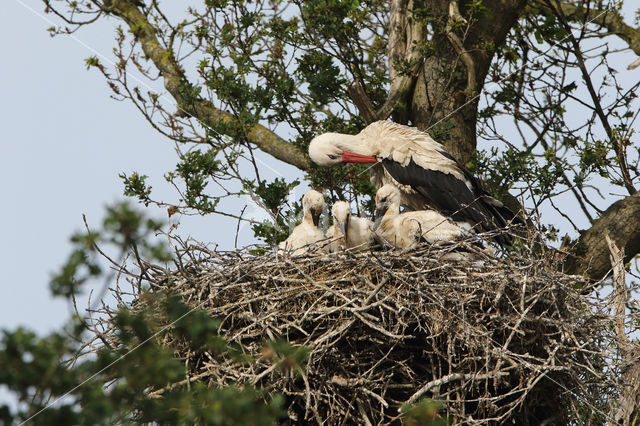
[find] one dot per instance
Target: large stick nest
(494, 339)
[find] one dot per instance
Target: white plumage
(427, 177)
(403, 230)
(307, 237)
(348, 231)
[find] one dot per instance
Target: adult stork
(307, 236)
(348, 231)
(427, 177)
(403, 230)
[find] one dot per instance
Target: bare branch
(619, 149)
(611, 19)
(627, 411)
(175, 82)
(616, 256)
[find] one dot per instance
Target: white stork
(427, 177)
(348, 231)
(403, 230)
(307, 236)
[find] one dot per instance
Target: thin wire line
(208, 127)
(112, 363)
(163, 95)
(171, 101)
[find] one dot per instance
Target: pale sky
(64, 143)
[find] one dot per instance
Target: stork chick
(403, 230)
(348, 231)
(426, 175)
(307, 236)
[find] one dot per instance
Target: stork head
(329, 149)
(313, 202)
(341, 212)
(386, 197)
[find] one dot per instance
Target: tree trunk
(449, 48)
(590, 255)
(444, 97)
(445, 111)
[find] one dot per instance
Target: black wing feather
(450, 195)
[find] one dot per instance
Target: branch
(450, 378)
(611, 19)
(627, 412)
(361, 100)
(619, 149)
(590, 253)
(405, 38)
(175, 82)
(456, 18)
(616, 257)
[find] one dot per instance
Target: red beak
(350, 157)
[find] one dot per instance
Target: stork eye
(333, 157)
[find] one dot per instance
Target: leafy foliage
(285, 71)
(82, 377)
(273, 196)
(112, 386)
(290, 66)
(125, 229)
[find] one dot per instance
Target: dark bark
(444, 98)
(590, 253)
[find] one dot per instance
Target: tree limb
(611, 19)
(359, 97)
(405, 37)
(627, 412)
(618, 148)
(175, 82)
(467, 59)
(590, 253)
(616, 257)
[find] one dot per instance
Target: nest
(494, 340)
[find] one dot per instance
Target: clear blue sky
(63, 145)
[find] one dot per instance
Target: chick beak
(344, 227)
(315, 215)
(379, 215)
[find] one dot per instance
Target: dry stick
(627, 412)
(616, 256)
(450, 378)
(413, 288)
